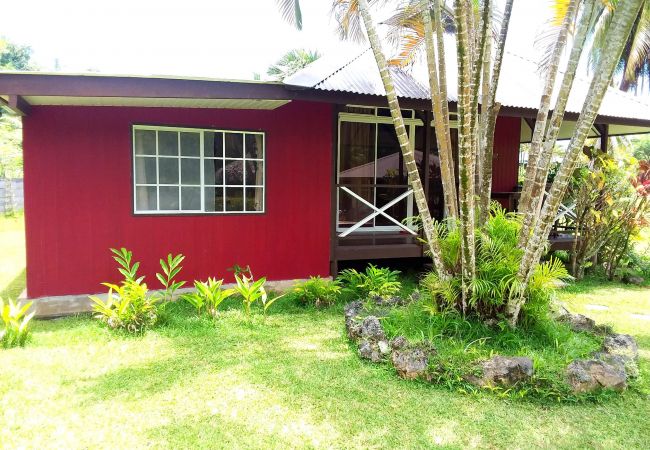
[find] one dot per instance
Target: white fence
(12, 197)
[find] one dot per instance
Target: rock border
(609, 368)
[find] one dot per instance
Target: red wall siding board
(505, 165)
(78, 198)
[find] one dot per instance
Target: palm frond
(291, 12)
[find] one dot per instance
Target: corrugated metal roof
(357, 74)
(520, 85)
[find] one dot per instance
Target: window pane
(145, 170)
(190, 171)
(254, 173)
(390, 168)
(168, 171)
(357, 157)
(398, 211)
(168, 198)
(212, 144)
(214, 199)
(145, 142)
(234, 172)
(254, 199)
(168, 143)
(234, 145)
(254, 146)
(234, 199)
(213, 171)
(351, 210)
(190, 144)
(145, 198)
(191, 198)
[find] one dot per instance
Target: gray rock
(578, 322)
(621, 344)
(371, 329)
(592, 374)
(619, 362)
(399, 342)
(351, 310)
(384, 348)
(354, 329)
(503, 371)
(410, 363)
(635, 280)
(370, 350)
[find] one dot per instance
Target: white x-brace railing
(377, 212)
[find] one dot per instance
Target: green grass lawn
(292, 381)
(12, 256)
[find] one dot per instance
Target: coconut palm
(291, 63)
(472, 21)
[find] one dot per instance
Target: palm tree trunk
(465, 156)
(428, 227)
(622, 22)
(442, 131)
(527, 206)
(442, 74)
(539, 181)
(487, 131)
(478, 69)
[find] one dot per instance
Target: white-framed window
(195, 170)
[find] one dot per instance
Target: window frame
(202, 158)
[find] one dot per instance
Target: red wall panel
(78, 198)
(505, 165)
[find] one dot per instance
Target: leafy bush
(208, 296)
(251, 291)
(317, 291)
(374, 282)
(127, 306)
(171, 268)
(497, 263)
(15, 323)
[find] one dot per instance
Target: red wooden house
(289, 178)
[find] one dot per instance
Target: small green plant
(209, 295)
(127, 306)
(317, 291)
(250, 291)
(171, 268)
(374, 282)
(15, 323)
(129, 270)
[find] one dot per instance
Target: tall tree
(472, 23)
(291, 63)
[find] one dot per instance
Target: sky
(221, 39)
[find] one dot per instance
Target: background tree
(291, 63)
(12, 57)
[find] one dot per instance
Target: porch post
(334, 266)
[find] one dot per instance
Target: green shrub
(171, 268)
(251, 291)
(127, 306)
(317, 291)
(15, 323)
(208, 296)
(497, 263)
(374, 282)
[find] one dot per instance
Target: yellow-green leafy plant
(15, 321)
(171, 268)
(317, 291)
(251, 291)
(128, 305)
(373, 282)
(208, 296)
